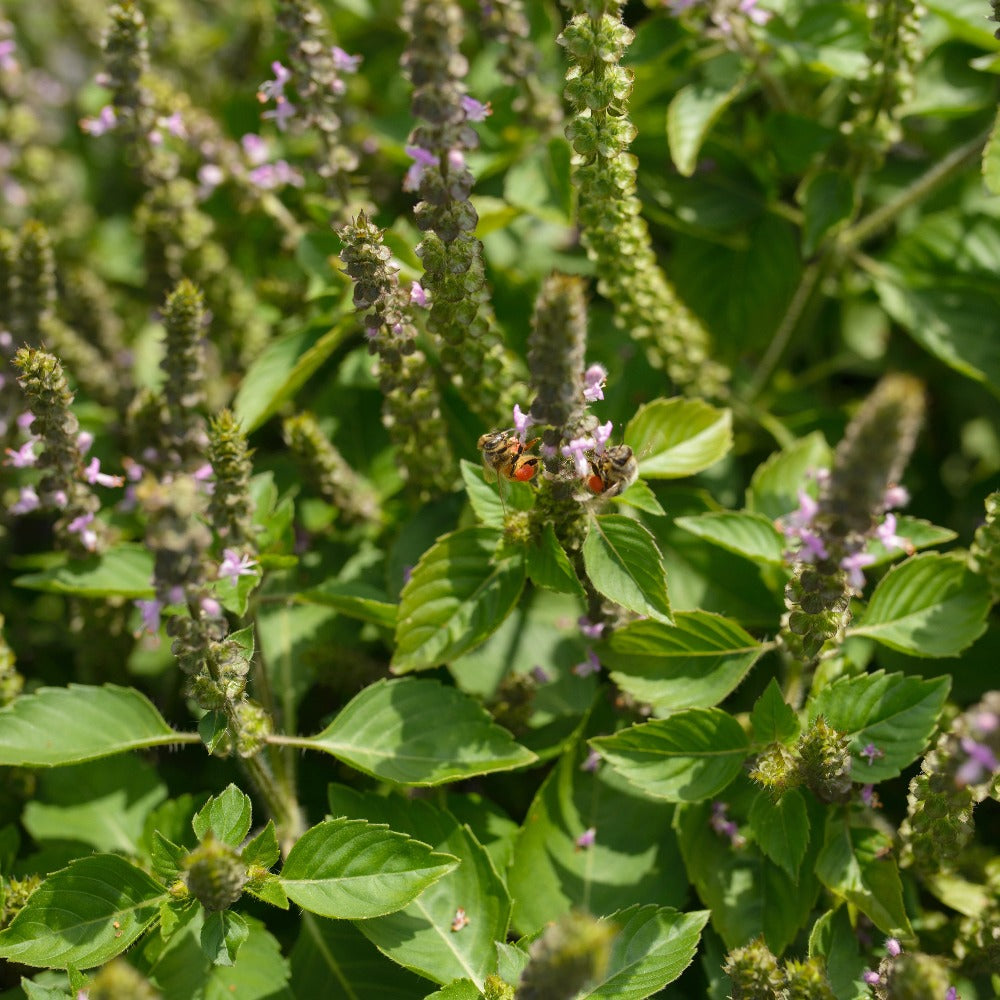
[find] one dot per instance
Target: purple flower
(577, 450)
(8, 64)
(25, 420)
(81, 526)
(95, 477)
(592, 763)
(418, 296)
(210, 176)
(475, 111)
(952, 994)
(893, 947)
(281, 113)
(29, 501)
(456, 160)
(871, 978)
(812, 546)
(981, 763)
(343, 62)
(234, 565)
(986, 722)
(274, 89)
(84, 440)
(602, 435)
(802, 516)
(174, 125)
(868, 794)
(58, 499)
(422, 159)
(149, 611)
(105, 122)
(853, 564)
(895, 496)
(592, 630)
(724, 826)
(886, 534)
(211, 608)
(24, 457)
(586, 839)
(873, 753)
(254, 148)
(749, 7)
(269, 176)
(591, 665)
(593, 383)
(522, 421)
(539, 675)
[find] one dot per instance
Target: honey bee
(613, 471)
(504, 454)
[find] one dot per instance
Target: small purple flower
(283, 110)
(577, 450)
(105, 122)
(84, 440)
(210, 176)
(176, 595)
(274, 89)
(343, 62)
(873, 753)
(602, 435)
(418, 296)
(24, 457)
(586, 839)
(871, 978)
(203, 473)
(802, 516)
(981, 763)
(952, 994)
(234, 565)
(95, 477)
(592, 630)
(456, 160)
(724, 826)
(173, 124)
(8, 63)
(752, 11)
(149, 611)
(591, 665)
(25, 420)
(58, 499)
(853, 564)
(211, 608)
(539, 675)
(422, 159)
(886, 534)
(81, 526)
(592, 763)
(986, 722)
(593, 383)
(254, 148)
(893, 947)
(29, 501)
(868, 794)
(475, 111)
(812, 546)
(895, 496)
(269, 176)
(547, 451)
(522, 421)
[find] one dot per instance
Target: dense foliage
(453, 523)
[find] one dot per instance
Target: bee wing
(489, 473)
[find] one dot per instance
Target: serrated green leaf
(352, 870)
(641, 497)
(693, 663)
(456, 597)
(781, 829)
(833, 938)
(856, 864)
(548, 565)
(653, 946)
(678, 437)
(772, 719)
(222, 935)
(328, 952)
(354, 599)
(746, 534)
(35, 991)
(282, 368)
(83, 915)
(263, 850)
(125, 571)
(70, 725)
(485, 497)
(895, 712)
(688, 757)
(549, 875)
(460, 989)
(418, 732)
(624, 564)
(420, 936)
(695, 108)
(774, 486)
(931, 605)
(228, 815)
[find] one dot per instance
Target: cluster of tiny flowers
(259, 173)
(722, 12)
(797, 527)
(726, 827)
(581, 449)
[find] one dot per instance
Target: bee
(613, 471)
(505, 455)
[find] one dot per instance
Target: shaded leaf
(548, 565)
(124, 571)
(751, 535)
(772, 719)
(354, 599)
(781, 829)
(774, 486)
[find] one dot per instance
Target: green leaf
(833, 938)
(102, 803)
(856, 864)
(920, 534)
(283, 367)
(549, 875)
(781, 829)
(694, 663)
(548, 565)
(959, 326)
(895, 712)
(329, 953)
(420, 936)
(641, 497)
(931, 605)
(460, 989)
(124, 571)
(262, 850)
(772, 719)
(485, 497)
(774, 486)
(455, 598)
(653, 946)
(418, 732)
(698, 106)
(228, 816)
(354, 599)
(678, 437)
(751, 535)
(624, 564)
(690, 756)
(83, 915)
(222, 936)
(33, 991)
(991, 159)
(828, 199)
(69, 725)
(351, 870)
